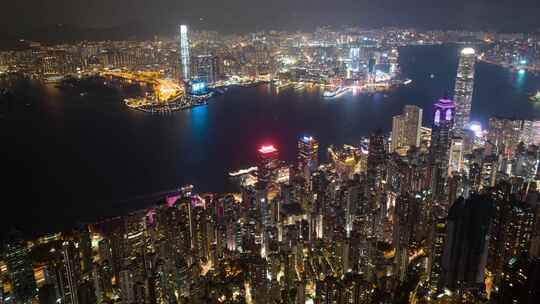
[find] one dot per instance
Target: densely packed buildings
(444, 214)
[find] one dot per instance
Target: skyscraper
(308, 155)
(376, 159)
(463, 90)
(441, 139)
(406, 128)
(206, 68)
(20, 270)
(185, 62)
(268, 163)
(466, 247)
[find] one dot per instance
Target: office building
(185, 57)
(268, 163)
(406, 128)
(308, 155)
(205, 68)
(441, 140)
(466, 246)
(463, 91)
(376, 159)
(20, 270)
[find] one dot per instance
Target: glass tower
(463, 90)
(184, 53)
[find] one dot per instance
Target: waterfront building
(268, 163)
(205, 68)
(185, 57)
(463, 91)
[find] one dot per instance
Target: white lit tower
(185, 64)
(308, 156)
(463, 90)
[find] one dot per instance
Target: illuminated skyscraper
(185, 62)
(268, 163)
(406, 128)
(441, 137)
(206, 68)
(308, 155)
(376, 158)
(20, 270)
(463, 90)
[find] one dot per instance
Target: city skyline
(328, 166)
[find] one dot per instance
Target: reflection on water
(105, 151)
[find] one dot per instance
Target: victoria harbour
(59, 146)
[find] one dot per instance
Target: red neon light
(267, 149)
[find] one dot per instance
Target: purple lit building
(441, 140)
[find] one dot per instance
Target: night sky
(249, 15)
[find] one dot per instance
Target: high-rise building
(185, 59)
(376, 158)
(205, 68)
(20, 270)
(441, 139)
(398, 132)
(506, 133)
(406, 128)
(466, 246)
(308, 155)
(268, 163)
(463, 91)
(437, 238)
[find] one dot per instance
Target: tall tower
(20, 269)
(441, 137)
(406, 128)
(185, 65)
(268, 163)
(463, 90)
(308, 155)
(376, 158)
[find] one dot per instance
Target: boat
(535, 97)
(407, 82)
(53, 79)
(299, 86)
(283, 84)
(336, 92)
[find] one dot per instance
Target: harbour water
(70, 158)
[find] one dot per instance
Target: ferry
(335, 93)
(299, 86)
(53, 79)
(536, 97)
(283, 85)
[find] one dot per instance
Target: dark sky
(246, 15)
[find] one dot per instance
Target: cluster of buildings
(517, 51)
(326, 55)
(442, 214)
